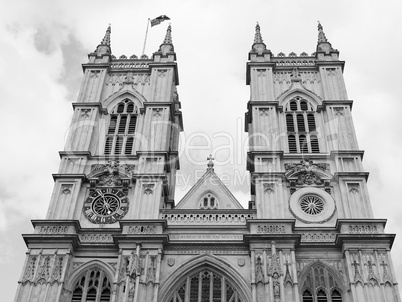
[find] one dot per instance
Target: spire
(104, 47)
(259, 48)
(257, 37)
(167, 45)
(321, 34)
(168, 37)
(106, 38)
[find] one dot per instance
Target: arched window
(92, 286)
(320, 283)
(121, 131)
(301, 127)
(209, 201)
(206, 286)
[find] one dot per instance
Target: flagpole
(146, 35)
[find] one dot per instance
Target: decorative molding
(207, 218)
(357, 276)
(259, 275)
(147, 229)
(288, 278)
(206, 236)
(170, 261)
(43, 273)
(162, 72)
(269, 188)
(318, 237)
(241, 262)
(363, 229)
(264, 111)
(112, 167)
(271, 229)
(53, 229)
(85, 113)
(30, 270)
(338, 111)
(148, 188)
(157, 112)
(371, 278)
(98, 238)
(66, 189)
(307, 173)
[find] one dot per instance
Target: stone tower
(308, 185)
(119, 163)
(113, 232)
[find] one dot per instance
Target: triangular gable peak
(209, 192)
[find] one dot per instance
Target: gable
(209, 193)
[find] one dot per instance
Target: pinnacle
(168, 37)
(106, 38)
(258, 38)
(321, 34)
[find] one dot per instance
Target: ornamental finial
(168, 37)
(210, 164)
(106, 38)
(321, 34)
(257, 37)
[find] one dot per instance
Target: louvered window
(92, 286)
(307, 296)
(121, 129)
(301, 127)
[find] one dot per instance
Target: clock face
(105, 206)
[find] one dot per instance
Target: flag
(159, 20)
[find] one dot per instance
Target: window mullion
(99, 287)
(187, 293)
(211, 287)
(199, 286)
(85, 289)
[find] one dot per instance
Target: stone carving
(357, 276)
(171, 261)
(151, 273)
(43, 273)
(371, 278)
(148, 188)
(125, 65)
(264, 112)
(98, 238)
(241, 262)
(363, 229)
(307, 173)
(30, 270)
(53, 229)
(112, 167)
(147, 229)
(157, 112)
(57, 270)
(288, 278)
(109, 181)
(338, 111)
(275, 271)
(135, 266)
(310, 77)
(385, 274)
(354, 189)
(85, 113)
(271, 229)
(261, 72)
(282, 77)
(331, 72)
(162, 72)
(295, 74)
(66, 189)
(269, 188)
(123, 269)
(259, 275)
(318, 237)
(77, 264)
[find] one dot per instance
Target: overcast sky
(44, 43)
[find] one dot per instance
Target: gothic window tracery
(320, 285)
(301, 126)
(92, 286)
(206, 286)
(209, 201)
(121, 130)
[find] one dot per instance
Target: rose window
(311, 204)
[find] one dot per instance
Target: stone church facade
(113, 231)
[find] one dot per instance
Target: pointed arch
(93, 264)
(197, 264)
(331, 280)
(287, 96)
(119, 96)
